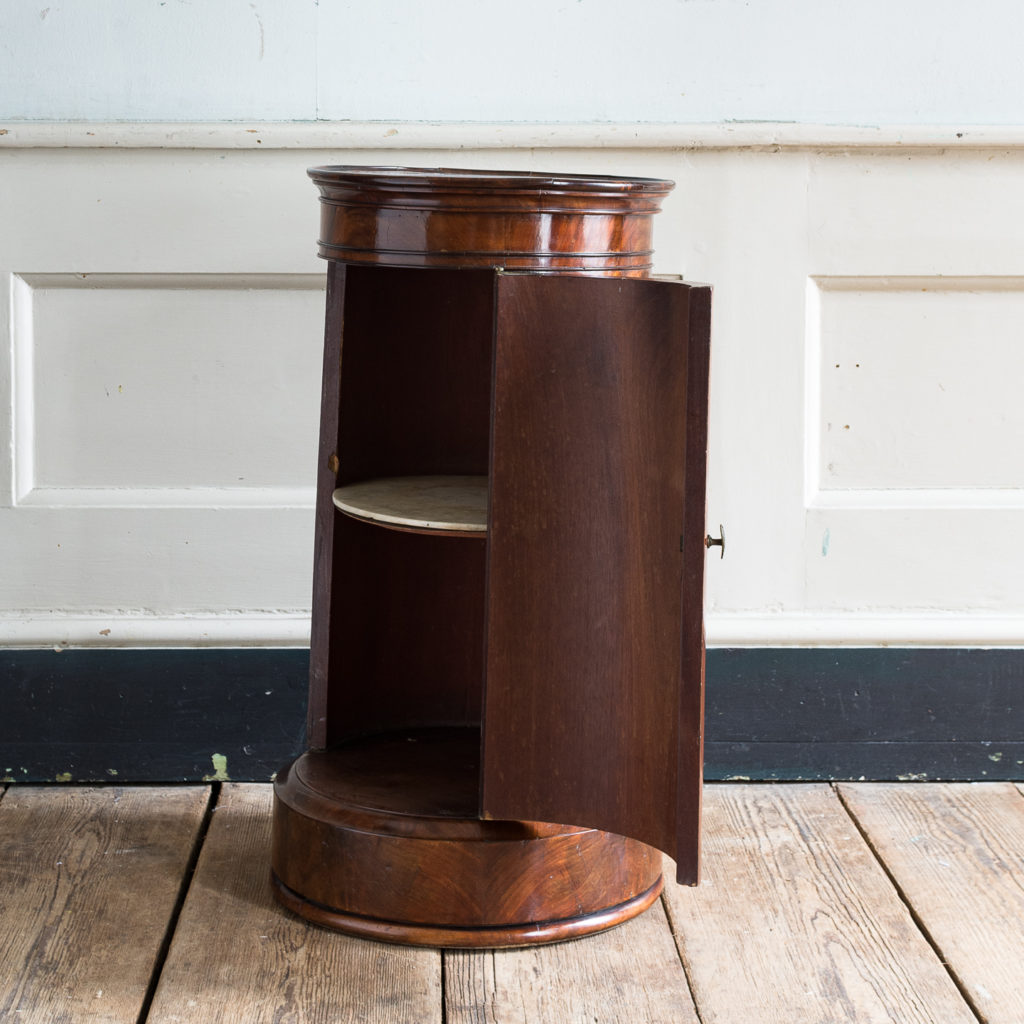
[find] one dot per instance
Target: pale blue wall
(691, 61)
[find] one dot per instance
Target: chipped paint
(62, 777)
(826, 542)
(996, 757)
(220, 769)
(913, 777)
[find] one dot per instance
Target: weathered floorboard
(239, 957)
(630, 973)
(957, 853)
(796, 922)
(89, 878)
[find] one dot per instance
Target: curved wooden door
(593, 692)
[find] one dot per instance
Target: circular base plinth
(463, 938)
(378, 838)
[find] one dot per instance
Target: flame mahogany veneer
(469, 691)
(382, 835)
(518, 220)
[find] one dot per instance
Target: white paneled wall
(163, 315)
(165, 388)
(684, 61)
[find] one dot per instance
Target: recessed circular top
(594, 224)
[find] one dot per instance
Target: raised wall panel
(914, 523)
(916, 537)
(918, 389)
(157, 389)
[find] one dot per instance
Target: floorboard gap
(172, 922)
(921, 927)
(676, 938)
(444, 986)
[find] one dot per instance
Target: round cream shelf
(448, 503)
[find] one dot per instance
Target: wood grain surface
(89, 878)
(957, 854)
(323, 534)
(407, 634)
(795, 921)
(381, 839)
(405, 216)
(238, 957)
(404, 640)
(691, 689)
(628, 974)
(585, 571)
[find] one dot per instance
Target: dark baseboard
(150, 715)
(772, 713)
(871, 713)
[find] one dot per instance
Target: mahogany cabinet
(506, 694)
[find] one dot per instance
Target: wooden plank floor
(820, 904)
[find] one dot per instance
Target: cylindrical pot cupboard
(506, 683)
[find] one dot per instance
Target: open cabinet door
(594, 681)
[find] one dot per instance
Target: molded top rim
(453, 179)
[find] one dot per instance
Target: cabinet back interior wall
(415, 389)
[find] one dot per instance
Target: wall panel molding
(912, 394)
(397, 135)
(126, 628)
(77, 292)
(893, 628)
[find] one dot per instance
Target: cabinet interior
(407, 626)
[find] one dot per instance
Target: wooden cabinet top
(597, 225)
